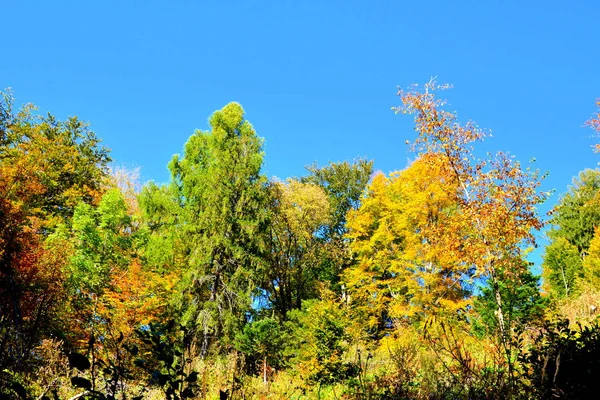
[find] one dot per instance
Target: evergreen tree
(575, 220)
(216, 222)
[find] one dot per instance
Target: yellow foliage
(304, 207)
(407, 264)
(591, 263)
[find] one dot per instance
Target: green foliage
(99, 378)
(12, 386)
(575, 219)
(322, 334)
(369, 288)
(169, 364)
(213, 219)
(294, 249)
(521, 301)
(47, 167)
(262, 342)
(578, 211)
(104, 242)
(344, 183)
(562, 267)
(165, 250)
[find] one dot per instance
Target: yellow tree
(406, 269)
(294, 248)
(497, 198)
(372, 282)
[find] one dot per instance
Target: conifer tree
(215, 219)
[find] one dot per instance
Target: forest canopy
(342, 283)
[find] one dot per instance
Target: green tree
(101, 244)
(262, 341)
(578, 212)
(591, 264)
(321, 335)
(522, 302)
(344, 183)
(216, 219)
(562, 267)
(161, 214)
(574, 221)
(300, 210)
(103, 238)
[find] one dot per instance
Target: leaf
(187, 393)
(160, 378)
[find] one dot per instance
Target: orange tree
(46, 168)
(496, 197)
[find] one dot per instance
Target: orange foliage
(30, 273)
(498, 198)
(497, 201)
(136, 298)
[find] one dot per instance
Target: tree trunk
(265, 370)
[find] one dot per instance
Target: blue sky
(317, 78)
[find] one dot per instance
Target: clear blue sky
(317, 78)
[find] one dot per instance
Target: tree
(217, 219)
(404, 272)
(103, 238)
(497, 198)
(522, 302)
(64, 157)
(591, 264)
(321, 334)
(574, 221)
(46, 168)
(262, 339)
(300, 210)
(344, 183)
